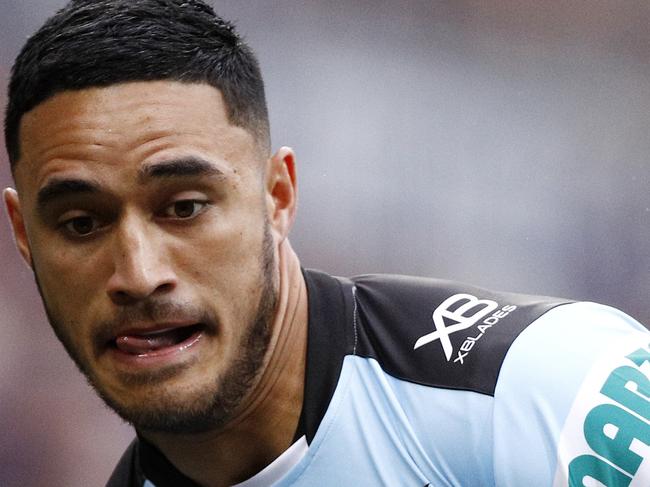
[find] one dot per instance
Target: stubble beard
(207, 410)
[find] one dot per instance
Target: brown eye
(81, 225)
(184, 209)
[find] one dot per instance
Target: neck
(265, 423)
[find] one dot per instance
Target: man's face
(145, 216)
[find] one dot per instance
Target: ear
(14, 211)
(281, 191)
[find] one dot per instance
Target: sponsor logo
(607, 441)
(460, 312)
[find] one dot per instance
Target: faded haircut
(97, 43)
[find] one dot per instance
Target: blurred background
(503, 143)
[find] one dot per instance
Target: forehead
(126, 125)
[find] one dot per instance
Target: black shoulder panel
(439, 333)
(328, 342)
(142, 461)
(125, 473)
(158, 469)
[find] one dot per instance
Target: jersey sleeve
(572, 402)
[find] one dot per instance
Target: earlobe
(281, 190)
(12, 203)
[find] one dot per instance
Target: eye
(185, 209)
(81, 226)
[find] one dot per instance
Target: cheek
(230, 248)
(68, 277)
(226, 269)
(226, 273)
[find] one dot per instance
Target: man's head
(149, 213)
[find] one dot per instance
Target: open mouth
(157, 342)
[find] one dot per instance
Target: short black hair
(97, 43)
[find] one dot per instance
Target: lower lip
(163, 356)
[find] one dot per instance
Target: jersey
(422, 382)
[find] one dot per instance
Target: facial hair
(211, 408)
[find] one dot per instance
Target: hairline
(261, 142)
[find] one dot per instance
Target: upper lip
(149, 328)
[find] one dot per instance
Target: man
(156, 219)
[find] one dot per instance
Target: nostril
(122, 298)
(164, 288)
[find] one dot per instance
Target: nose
(140, 265)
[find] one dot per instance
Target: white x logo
(442, 313)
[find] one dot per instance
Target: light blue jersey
(415, 382)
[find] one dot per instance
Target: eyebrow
(58, 188)
(186, 166)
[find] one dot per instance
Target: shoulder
(576, 383)
(570, 380)
(441, 333)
